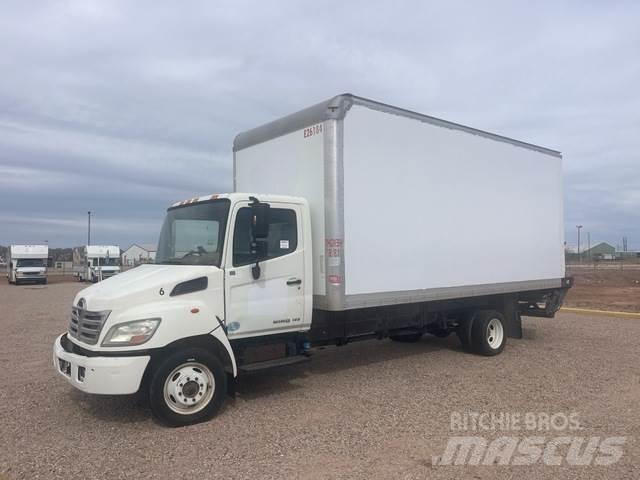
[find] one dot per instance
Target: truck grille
(86, 325)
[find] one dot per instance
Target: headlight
(131, 333)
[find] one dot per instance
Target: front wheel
(187, 387)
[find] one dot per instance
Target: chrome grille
(86, 325)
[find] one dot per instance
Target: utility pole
(589, 244)
(89, 228)
(579, 257)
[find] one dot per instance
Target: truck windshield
(103, 261)
(30, 262)
(193, 234)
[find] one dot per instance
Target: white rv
(347, 223)
(27, 263)
(93, 263)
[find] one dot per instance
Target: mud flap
(512, 318)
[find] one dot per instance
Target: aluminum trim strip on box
(446, 293)
(333, 246)
(336, 108)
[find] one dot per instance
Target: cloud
(125, 107)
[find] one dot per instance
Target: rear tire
(187, 387)
(488, 334)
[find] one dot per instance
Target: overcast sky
(122, 108)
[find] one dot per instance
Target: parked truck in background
(351, 220)
(94, 263)
(27, 264)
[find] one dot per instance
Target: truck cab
(27, 264)
(229, 269)
(94, 263)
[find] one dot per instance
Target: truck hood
(146, 283)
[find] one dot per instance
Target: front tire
(187, 387)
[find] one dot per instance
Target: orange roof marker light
(196, 200)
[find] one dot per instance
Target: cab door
(274, 303)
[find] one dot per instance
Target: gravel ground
(367, 410)
(605, 289)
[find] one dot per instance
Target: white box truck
(27, 263)
(94, 263)
(359, 221)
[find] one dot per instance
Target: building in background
(137, 254)
(601, 251)
(63, 266)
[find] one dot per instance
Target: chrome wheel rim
(189, 388)
(495, 333)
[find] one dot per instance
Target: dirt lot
(367, 410)
(605, 290)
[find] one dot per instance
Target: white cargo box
(407, 207)
(28, 251)
(111, 251)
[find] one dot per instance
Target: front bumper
(36, 276)
(100, 375)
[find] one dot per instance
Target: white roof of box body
(102, 250)
(29, 251)
(337, 108)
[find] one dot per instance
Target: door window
(282, 239)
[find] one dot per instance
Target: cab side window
(282, 239)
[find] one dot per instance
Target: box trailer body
(350, 220)
(27, 263)
(406, 207)
(94, 263)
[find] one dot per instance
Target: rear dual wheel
(483, 332)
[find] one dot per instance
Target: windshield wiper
(171, 261)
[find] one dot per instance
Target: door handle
(294, 281)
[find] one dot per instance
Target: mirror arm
(255, 271)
